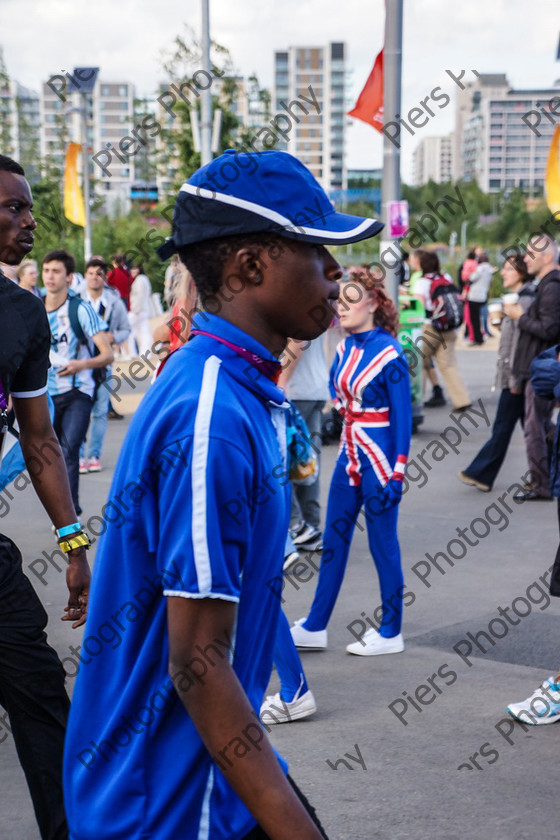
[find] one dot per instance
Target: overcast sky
(126, 39)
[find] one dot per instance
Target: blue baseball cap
(260, 192)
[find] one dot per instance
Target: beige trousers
(440, 346)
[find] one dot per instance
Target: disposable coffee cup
(511, 297)
(496, 313)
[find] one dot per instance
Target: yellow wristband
(77, 541)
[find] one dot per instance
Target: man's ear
(69, 279)
(248, 265)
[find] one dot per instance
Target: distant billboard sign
(398, 218)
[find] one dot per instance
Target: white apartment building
(19, 112)
(110, 119)
(318, 139)
(499, 142)
(432, 159)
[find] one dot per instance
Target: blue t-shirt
(198, 508)
(65, 346)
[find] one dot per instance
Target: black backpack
(99, 374)
(447, 306)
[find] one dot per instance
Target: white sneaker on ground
(372, 644)
(308, 639)
(83, 466)
(543, 706)
(94, 465)
(290, 559)
(308, 538)
(276, 710)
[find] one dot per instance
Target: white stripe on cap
(266, 213)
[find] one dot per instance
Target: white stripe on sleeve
(199, 463)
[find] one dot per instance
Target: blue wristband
(68, 530)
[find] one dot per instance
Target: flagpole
(206, 103)
(391, 183)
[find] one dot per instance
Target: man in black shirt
(31, 675)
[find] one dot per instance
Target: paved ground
(458, 770)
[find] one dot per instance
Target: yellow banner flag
(74, 208)
(552, 178)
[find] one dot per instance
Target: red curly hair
(386, 314)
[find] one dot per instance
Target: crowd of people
(209, 473)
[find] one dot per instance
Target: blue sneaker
(543, 706)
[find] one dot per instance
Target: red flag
(369, 107)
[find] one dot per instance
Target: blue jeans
(98, 424)
(306, 506)
(486, 465)
(71, 418)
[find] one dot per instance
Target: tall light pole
(391, 184)
(206, 103)
(85, 159)
(83, 82)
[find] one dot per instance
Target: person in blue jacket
(370, 386)
(164, 739)
(543, 706)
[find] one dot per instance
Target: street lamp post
(391, 184)
(85, 158)
(206, 103)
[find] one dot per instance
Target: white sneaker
(290, 559)
(372, 644)
(276, 710)
(308, 639)
(543, 706)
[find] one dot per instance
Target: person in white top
(477, 295)
(141, 310)
(108, 304)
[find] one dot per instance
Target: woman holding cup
(482, 471)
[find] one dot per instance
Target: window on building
(123, 90)
(105, 90)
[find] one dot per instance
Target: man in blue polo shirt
(164, 739)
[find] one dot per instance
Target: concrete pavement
(428, 725)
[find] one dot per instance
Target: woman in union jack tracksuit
(370, 386)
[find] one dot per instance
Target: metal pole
(206, 103)
(391, 184)
(85, 159)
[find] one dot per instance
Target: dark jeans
(306, 505)
(32, 692)
(489, 460)
(258, 834)
(539, 432)
(555, 579)
(71, 420)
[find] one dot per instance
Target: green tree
(5, 109)
(178, 158)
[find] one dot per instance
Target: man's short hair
(550, 247)
(8, 164)
(63, 257)
(429, 262)
(96, 262)
(206, 260)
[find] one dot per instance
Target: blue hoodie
(198, 508)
